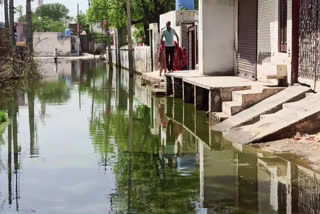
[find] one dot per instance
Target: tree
(83, 21)
(46, 24)
(11, 24)
(56, 11)
(29, 27)
(18, 9)
(129, 38)
(6, 14)
(142, 11)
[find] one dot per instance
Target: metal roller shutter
(247, 42)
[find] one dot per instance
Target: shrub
(3, 117)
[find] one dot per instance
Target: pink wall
(21, 27)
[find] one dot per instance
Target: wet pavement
(90, 140)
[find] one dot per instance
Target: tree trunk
(6, 14)
(108, 44)
(129, 39)
(29, 27)
(11, 24)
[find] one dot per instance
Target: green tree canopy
(46, 24)
(56, 11)
(142, 12)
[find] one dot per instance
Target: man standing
(168, 33)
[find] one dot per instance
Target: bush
(17, 64)
(3, 117)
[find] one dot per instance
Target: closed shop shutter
(247, 42)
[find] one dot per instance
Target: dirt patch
(306, 148)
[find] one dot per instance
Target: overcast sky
(71, 4)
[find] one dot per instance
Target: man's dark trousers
(169, 54)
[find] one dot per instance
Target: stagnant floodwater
(88, 140)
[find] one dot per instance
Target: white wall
(156, 42)
(268, 36)
(141, 58)
(216, 37)
(44, 44)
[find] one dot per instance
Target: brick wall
(3, 38)
(268, 34)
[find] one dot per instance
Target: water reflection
(91, 140)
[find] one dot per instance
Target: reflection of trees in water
(143, 182)
(13, 147)
(34, 147)
(56, 92)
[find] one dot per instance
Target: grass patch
(3, 117)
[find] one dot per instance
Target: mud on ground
(305, 148)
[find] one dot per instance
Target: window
(283, 26)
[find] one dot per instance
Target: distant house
(74, 28)
(21, 30)
(45, 43)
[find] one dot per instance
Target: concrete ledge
(152, 78)
(185, 74)
(222, 82)
(158, 92)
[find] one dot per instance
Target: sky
(71, 5)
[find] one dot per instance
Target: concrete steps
(300, 116)
(242, 100)
(220, 116)
(263, 108)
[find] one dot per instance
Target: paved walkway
(152, 78)
(211, 83)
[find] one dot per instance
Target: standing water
(90, 140)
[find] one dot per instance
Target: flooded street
(90, 140)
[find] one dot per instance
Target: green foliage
(138, 34)
(83, 20)
(3, 117)
(54, 92)
(47, 24)
(19, 10)
(111, 10)
(22, 18)
(47, 18)
(56, 11)
(196, 4)
(143, 12)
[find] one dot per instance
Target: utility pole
(11, 24)
(78, 30)
(78, 26)
(29, 27)
(129, 39)
(106, 24)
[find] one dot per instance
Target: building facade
(248, 38)
(45, 43)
